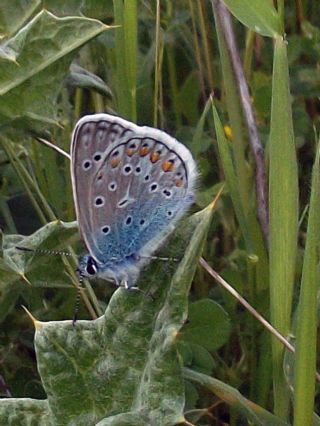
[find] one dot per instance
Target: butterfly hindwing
(140, 189)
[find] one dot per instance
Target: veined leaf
(123, 367)
(260, 16)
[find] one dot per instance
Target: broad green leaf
(24, 411)
(260, 16)
(91, 8)
(123, 367)
(202, 360)
(306, 342)
(19, 269)
(14, 13)
(196, 357)
(42, 51)
(38, 267)
(253, 412)
(10, 293)
(208, 325)
(283, 202)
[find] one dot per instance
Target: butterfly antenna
(45, 251)
(77, 301)
(166, 259)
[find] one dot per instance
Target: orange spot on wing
(179, 183)
(114, 162)
(167, 166)
(154, 157)
(144, 151)
(130, 152)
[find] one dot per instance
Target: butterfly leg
(125, 284)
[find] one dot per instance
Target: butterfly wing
(132, 197)
(90, 139)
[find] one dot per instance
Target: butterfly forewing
(91, 137)
(136, 188)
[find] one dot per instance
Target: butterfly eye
(91, 267)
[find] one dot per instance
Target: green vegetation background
(164, 64)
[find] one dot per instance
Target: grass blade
(283, 198)
(306, 343)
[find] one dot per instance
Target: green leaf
(231, 178)
(123, 369)
(24, 411)
(188, 97)
(206, 195)
(200, 141)
(14, 14)
(202, 360)
(125, 13)
(253, 412)
(283, 201)
(306, 342)
(79, 77)
(260, 16)
(38, 267)
(90, 8)
(208, 325)
(41, 54)
(21, 268)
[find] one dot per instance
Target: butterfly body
(131, 184)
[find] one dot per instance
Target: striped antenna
(44, 251)
(80, 275)
(172, 259)
(78, 297)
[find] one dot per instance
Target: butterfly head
(88, 267)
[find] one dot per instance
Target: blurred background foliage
(155, 63)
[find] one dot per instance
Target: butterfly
(130, 184)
